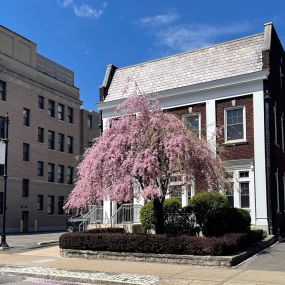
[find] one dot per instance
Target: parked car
(72, 223)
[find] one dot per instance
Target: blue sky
(86, 35)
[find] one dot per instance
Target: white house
(238, 85)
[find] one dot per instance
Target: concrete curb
(222, 261)
(49, 242)
(39, 245)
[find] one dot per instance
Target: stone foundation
(225, 261)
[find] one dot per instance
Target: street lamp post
(4, 245)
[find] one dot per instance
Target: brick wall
(272, 59)
(197, 108)
(243, 150)
(21, 94)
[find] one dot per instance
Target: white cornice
(212, 85)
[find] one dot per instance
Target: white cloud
(181, 38)
(158, 20)
(65, 3)
(175, 37)
(87, 11)
(83, 10)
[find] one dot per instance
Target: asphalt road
(272, 259)
(27, 241)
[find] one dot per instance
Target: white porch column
(106, 202)
(184, 196)
(211, 124)
(259, 160)
(106, 210)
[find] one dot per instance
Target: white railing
(94, 216)
(126, 214)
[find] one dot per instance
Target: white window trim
(246, 180)
(244, 125)
(193, 115)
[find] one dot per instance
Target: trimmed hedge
(160, 244)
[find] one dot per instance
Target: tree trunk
(158, 216)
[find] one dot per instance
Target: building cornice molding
(206, 86)
(38, 82)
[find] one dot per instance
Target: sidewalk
(47, 262)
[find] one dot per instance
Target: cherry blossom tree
(137, 156)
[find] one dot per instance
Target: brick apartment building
(44, 134)
(238, 85)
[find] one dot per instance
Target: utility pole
(4, 245)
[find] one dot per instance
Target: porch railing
(94, 216)
(126, 214)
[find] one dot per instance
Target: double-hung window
(50, 206)
(69, 144)
(2, 127)
(50, 172)
(51, 108)
(60, 112)
(60, 174)
(26, 117)
(60, 204)
(70, 115)
(41, 102)
(235, 124)
(50, 139)
(193, 122)
(41, 134)
(2, 90)
(60, 142)
(69, 174)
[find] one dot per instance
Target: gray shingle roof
(220, 61)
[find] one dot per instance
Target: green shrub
(227, 220)
(171, 209)
(147, 216)
(204, 203)
(187, 222)
(177, 220)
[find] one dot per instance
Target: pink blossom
(144, 147)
